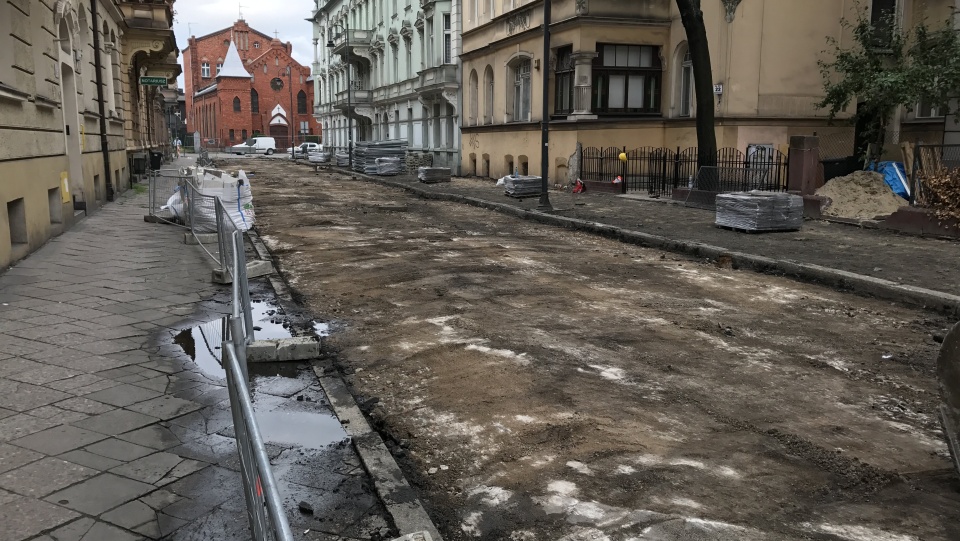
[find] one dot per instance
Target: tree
(887, 67)
(692, 18)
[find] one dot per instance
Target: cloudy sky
(200, 17)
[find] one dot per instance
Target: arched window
(488, 95)
(519, 90)
(301, 103)
(254, 102)
(236, 105)
(474, 97)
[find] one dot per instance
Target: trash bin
(156, 160)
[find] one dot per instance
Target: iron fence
(658, 171)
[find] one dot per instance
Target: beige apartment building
(619, 75)
(66, 138)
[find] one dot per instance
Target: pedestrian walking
(177, 145)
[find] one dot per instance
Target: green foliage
(886, 67)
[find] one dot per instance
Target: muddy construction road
(539, 384)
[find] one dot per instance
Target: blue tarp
(894, 175)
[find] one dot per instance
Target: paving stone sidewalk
(107, 430)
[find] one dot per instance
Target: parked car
(304, 149)
(256, 145)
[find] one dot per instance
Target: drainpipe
(97, 64)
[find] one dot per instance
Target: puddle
(322, 329)
(203, 345)
(269, 321)
(307, 429)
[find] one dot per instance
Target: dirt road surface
(538, 384)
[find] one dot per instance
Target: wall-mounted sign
(153, 81)
(718, 89)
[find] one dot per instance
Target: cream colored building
(55, 160)
(620, 76)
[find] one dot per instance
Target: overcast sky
(200, 17)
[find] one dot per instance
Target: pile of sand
(862, 195)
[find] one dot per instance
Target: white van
(256, 145)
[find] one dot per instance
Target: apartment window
(409, 45)
(304, 127)
(301, 103)
(56, 204)
(563, 98)
(17, 221)
(205, 70)
(521, 90)
(232, 135)
(474, 98)
(236, 105)
(429, 56)
(626, 79)
(256, 44)
(409, 126)
(254, 103)
(447, 40)
(396, 63)
(219, 67)
(883, 18)
(488, 96)
(243, 135)
(686, 86)
(926, 109)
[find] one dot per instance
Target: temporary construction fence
(164, 195)
(207, 216)
(658, 170)
(264, 507)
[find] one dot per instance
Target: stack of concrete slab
(433, 175)
(366, 153)
(389, 166)
(522, 186)
(759, 211)
(319, 157)
(343, 159)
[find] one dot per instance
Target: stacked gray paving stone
(433, 175)
(343, 159)
(366, 153)
(760, 211)
(522, 186)
(319, 157)
(416, 160)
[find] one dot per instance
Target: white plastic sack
(234, 192)
(502, 181)
(174, 205)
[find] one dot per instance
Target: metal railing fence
(264, 507)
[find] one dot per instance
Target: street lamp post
(544, 203)
(292, 116)
(330, 44)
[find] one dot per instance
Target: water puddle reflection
(315, 430)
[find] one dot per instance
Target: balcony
(438, 78)
(358, 98)
(358, 38)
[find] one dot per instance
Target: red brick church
(240, 82)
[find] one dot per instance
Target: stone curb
(399, 498)
(929, 299)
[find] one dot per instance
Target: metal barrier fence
(161, 185)
(659, 170)
(206, 215)
(264, 507)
